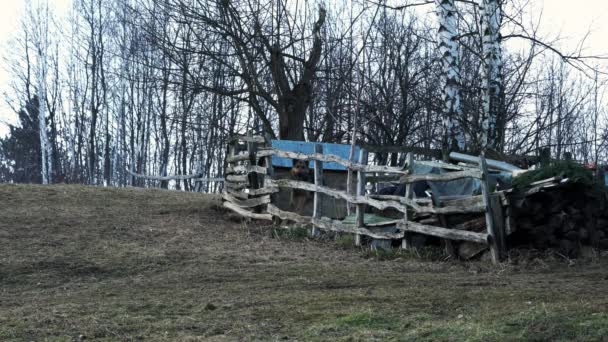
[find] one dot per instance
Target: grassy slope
(134, 264)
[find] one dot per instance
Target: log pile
(556, 214)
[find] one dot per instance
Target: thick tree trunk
(293, 111)
(293, 102)
(494, 118)
(453, 135)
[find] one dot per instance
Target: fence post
(252, 177)
(485, 191)
(268, 159)
(252, 150)
(269, 172)
(231, 152)
(406, 243)
(360, 211)
(318, 204)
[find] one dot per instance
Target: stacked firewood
(560, 215)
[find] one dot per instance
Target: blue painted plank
(339, 150)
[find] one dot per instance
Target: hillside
(130, 264)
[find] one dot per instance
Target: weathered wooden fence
(249, 188)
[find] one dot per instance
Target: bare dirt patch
(132, 264)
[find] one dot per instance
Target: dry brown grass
(132, 264)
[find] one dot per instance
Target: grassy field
(129, 264)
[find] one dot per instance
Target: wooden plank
(360, 210)
(337, 226)
(246, 169)
(443, 233)
(263, 191)
(252, 150)
(237, 178)
(453, 209)
(318, 174)
(384, 223)
(246, 213)
(235, 186)
(237, 194)
(442, 177)
(387, 197)
(551, 180)
(476, 225)
(287, 215)
(464, 201)
(393, 178)
(423, 201)
(378, 168)
(499, 221)
(248, 203)
(542, 187)
(415, 201)
(435, 153)
(485, 191)
(247, 138)
(510, 225)
(442, 165)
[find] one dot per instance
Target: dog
(300, 171)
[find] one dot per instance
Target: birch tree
(40, 20)
(492, 84)
(453, 137)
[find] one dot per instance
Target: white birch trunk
(448, 47)
(490, 20)
(42, 14)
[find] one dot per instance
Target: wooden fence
(249, 189)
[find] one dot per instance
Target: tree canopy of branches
(114, 88)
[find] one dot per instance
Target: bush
(565, 169)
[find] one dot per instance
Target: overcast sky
(569, 19)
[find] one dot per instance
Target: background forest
(157, 87)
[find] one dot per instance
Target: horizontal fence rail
(327, 158)
(446, 177)
(452, 234)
